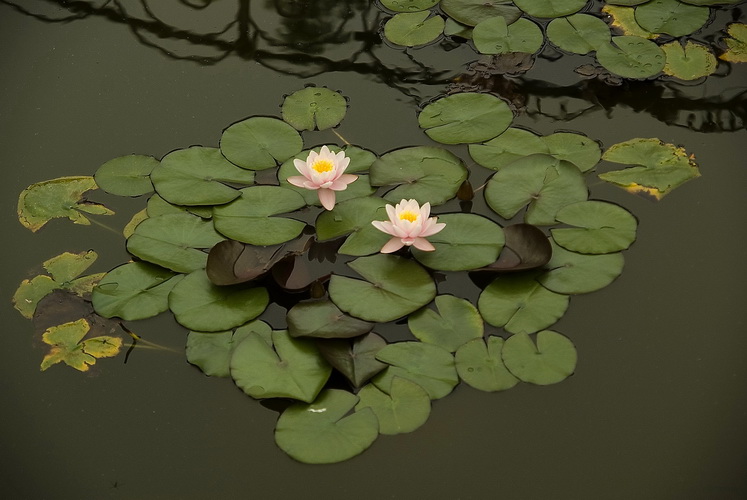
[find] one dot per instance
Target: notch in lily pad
(314, 108)
(68, 346)
(551, 360)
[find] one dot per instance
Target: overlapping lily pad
(314, 108)
(126, 175)
(467, 117)
(736, 43)
(212, 351)
(413, 28)
(579, 33)
(495, 36)
(355, 358)
(472, 12)
(428, 365)
(508, 147)
(408, 5)
(573, 273)
(260, 142)
(550, 8)
(404, 408)
(322, 319)
(600, 227)
(552, 360)
(672, 17)
(631, 57)
(354, 218)
(480, 364)
(456, 322)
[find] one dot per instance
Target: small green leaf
(413, 28)
(552, 360)
(573, 273)
(428, 365)
(671, 17)
(494, 36)
(126, 175)
(600, 228)
(631, 57)
(314, 108)
(472, 12)
(456, 322)
(322, 319)
(550, 8)
(404, 408)
(481, 366)
(260, 142)
(408, 5)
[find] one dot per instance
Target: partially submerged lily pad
(552, 360)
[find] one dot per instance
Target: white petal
(384, 227)
(302, 167)
(392, 245)
(327, 197)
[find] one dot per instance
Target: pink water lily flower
(323, 171)
(409, 225)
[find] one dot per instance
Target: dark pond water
(656, 408)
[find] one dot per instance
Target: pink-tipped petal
(423, 244)
(392, 245)
(327, 197)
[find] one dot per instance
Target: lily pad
(467, 242)
(355, 358)
(289, 368)
(508, 147)
(174, 241)
(671, 17)
(519, 303)
(526, 247)
(573, 273)
(62, 197)
(393, 287)
(212, 352)
(472, 12)
(428, 365)
(426, 174)
(325, 432)
(657, 168)
(467, 117)
(314, 108)
(579, 33)
(631, 57)
(495, 36)
(249, 218)
(69, 347)
(408, 5)
(623, 19)
(126, 175)
(322, 319)
(134, 291)
(354, 217)
(404, 408)
(201, 306)
(480, 365)
(552, 360)
(454, 28)
(600, 227)
(456, 322)
(690, 61)
(413, 28)
(542, 182)
(260, 142)
(198, 176)
(550, 8)
(574, 148)
(736, 43)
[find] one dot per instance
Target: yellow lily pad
(69, 347)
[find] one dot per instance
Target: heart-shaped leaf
(322, 319)
(480, 365)
(127, 175)
(355, 358)
(552, 360)
(456, 322)
(404, 408)
(600, 228)
(260, 142)
(314, 108)
(428, 365)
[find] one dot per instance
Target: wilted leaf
(69, 347)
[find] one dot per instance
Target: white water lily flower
(324, 172)
(409, 224)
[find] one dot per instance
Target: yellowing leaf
(736, 43)
(623, 18)
(67, 347)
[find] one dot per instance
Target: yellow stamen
(408, 215)
(322, 166)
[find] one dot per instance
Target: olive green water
(656, 408)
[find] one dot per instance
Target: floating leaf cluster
(225, 234)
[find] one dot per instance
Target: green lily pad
(454, 28)
(408, 5)
(712, 2)
(671, 17)
(657, 169)
(249, 218)
(631, 57)
(550, 8)
(404, 408)
(354, 217)
(456, 322)
(69, 347)
(62, 197)
(426, 174)
(200, 306)
(394, 287)
(289, 368)
(314, 108)
(260, 142)
(467, 117)
(495, 36)
(322, 319)
(579, 33)
(467, 242)
(574, 148)
(355, 358)
(428, 365)
(212, 352)
(600, 227)
(552, 360)
(526, 247)
(573, 273)
(325, 432)
(629, 3)
(472, 12)
(134, 291)
(174, 241)
(623, 19)
(690, 61)
(413, 28)
(126, 175)
(519, 303)
(508, 147)
(480, 365)
(736, 43)
(542, 182)
(198, 176)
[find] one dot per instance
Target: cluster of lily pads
(226, 233)
(644, 38)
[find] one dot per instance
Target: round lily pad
(552, 360)
(600, 227)
(574, 148)
(579, 33)
(456, 322)
(404, 408)
(126, 175)
(354, 217)
(471, 12)
(199, 305)
(508, 147)
(631, 57)
(198, 176)
(314, 108)
(572, 273)
(671, 17)
(494, 36)
(689, 61)
(413, 28)
(408, 5)
(428, 365)
(550, 8)
(249, 218)
(260, 142)
(393, 287)
(467, 117)
(480, 365)
(325, 431)
(467, 242)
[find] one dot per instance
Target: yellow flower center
(408, 215)
(323, 166)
